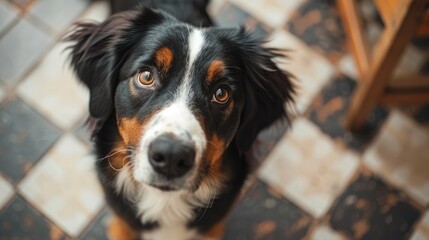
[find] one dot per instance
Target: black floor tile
(264, 214)
(231, 16)
(369, 209)
(318, 24)
(329, 110)
(20, 221)
(265, 142)
(98, 231)
(25, 137)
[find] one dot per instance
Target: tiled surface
(7, 15)
(310, 70)
(422, 230)
(274, 14)
(47, 12)
(230, 16)
(318, 24)
(370, 209)
(20, 48)
(19, 220)
(73, 193)
(308, 168)
(330, 107)
(52, 85)
(2, 94)
(347, 65)
(97, 11)
(325, 233)
(26, 137)
(411, 62)
(320, 182)
(23, 5)
(97, 230)
(401, 155)
(264, 214)
(6, 191)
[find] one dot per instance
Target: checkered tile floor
(318, 182)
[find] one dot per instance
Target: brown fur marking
(119, 230)
(215, 68)
(216, 232)
(164, 59)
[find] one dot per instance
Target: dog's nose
(171, 157)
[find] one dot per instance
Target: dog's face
(178, 104)
(181, 95)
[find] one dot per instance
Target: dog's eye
(221, 95)
(145, 77)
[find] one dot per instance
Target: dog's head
(180, 95)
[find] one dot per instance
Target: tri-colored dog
(176, 104)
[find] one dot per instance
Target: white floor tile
(2, 93)
(7, 14)
(311, 70)
(97, 11)
(6, 192)
(347, 65)
(53, 90)
(64, 187)
(326, 233)
(400, 154)
(309, 168)
(422, 229)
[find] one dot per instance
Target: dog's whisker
(123, 164)
(111, 153)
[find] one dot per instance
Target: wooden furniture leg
(386, 54)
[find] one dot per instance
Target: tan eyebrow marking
(164, 58)
(216, 67)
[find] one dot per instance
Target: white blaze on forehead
(196, 42)
(176, 117)
(195, 45)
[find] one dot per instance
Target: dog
(175, 104)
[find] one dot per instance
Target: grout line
(42, 214)
(95, 218)
(400, 189)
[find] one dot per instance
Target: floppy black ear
(99, 49)
(267, 88)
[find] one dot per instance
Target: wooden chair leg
(386, 55)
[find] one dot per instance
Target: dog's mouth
(164, 188)
(171, 184)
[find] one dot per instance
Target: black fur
(106, 56)
(267, 88)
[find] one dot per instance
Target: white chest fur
(172, 210)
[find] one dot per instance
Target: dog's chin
(170, 185)
(165, 188)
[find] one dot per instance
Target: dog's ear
(267, 88)
(99, 49)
